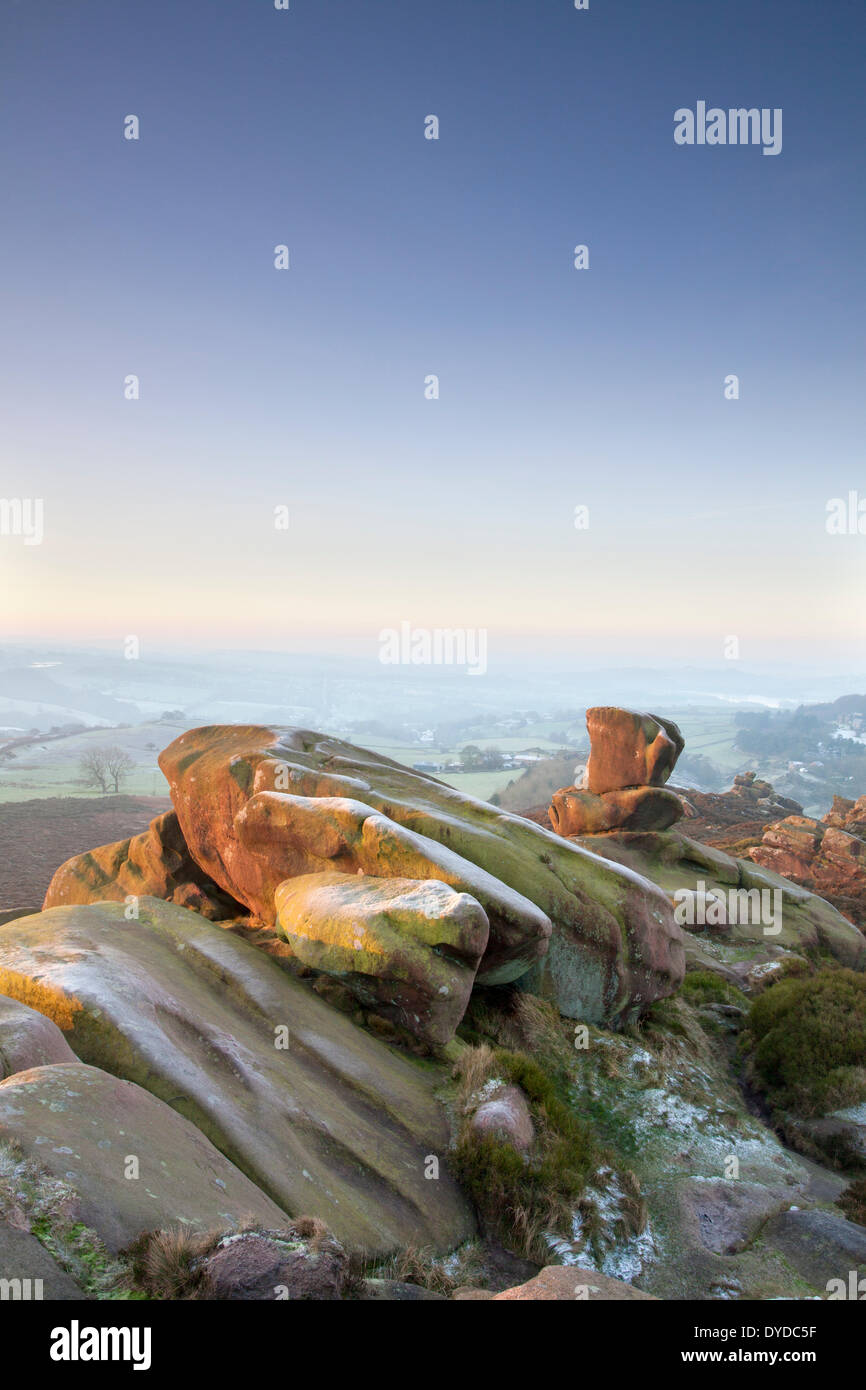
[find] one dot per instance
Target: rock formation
(258, 809)
(631, 757)
(827, 856)
(324, 1119)
(156, 863)
(410, 949)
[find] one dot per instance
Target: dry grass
(45, 999)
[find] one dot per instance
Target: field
(48, 767)
(37, 836)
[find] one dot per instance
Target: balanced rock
(410, 948)
(156, 863)
(628, 749)
(239, 794)
(324, 1119)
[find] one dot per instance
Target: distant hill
(31, 698)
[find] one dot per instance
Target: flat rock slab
(729, 1214)
(818, 1244)
(84, 1126)
(325, 1119)
(29, 1274)
(569, 1284)
(28, 1039)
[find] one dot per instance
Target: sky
(559, 388)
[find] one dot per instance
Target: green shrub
(706, 987)
(807, 1042)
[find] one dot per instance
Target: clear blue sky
(453, 257)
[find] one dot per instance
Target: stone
(728, 1215)
(574, 812)
(398, 1291)
(297, 1264)
(617, 946)
(680, 865)
(28, 1273)
(628, 749)
(324, 1119)
(293, 835)
(156, 863)
(408, 948)
(506, 1116)
(28, 1039)
(820, 1246)
(569, 1283)
(83, 1126)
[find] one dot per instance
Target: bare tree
(93, 768)
(105, 767)
(118, 764)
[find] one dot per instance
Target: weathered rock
(410, 949)
(506, 1116)
(322, 1117)
(309, 834)
(680, 865)
(820, 1246)
(85, 1127)
(156, 863)
(566, 1284)
(28, 1273)
(574, 812)
(628, 749)
(821, 856)
(398, 1291)
(288, 1265)
(617, 948)
(28, 1039)
(728, 1215)
(9, 914)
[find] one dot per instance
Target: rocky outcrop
(410, 949)
(763, 914)
(133, 1164)
(827, 856)
(156, 863)
(324, 1119)
(258, 806)
(631, 757)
